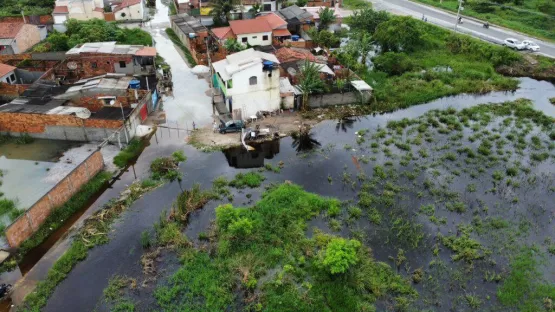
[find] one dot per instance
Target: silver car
(514, 44)
(531, 45)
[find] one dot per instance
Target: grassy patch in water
(129, 153)
(264, 251)
(250, 179)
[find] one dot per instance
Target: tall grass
(175, 39)
(129, 153)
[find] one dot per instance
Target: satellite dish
(83, 113)
(112, 102)
(72, 65)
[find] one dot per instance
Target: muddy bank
(536, 67)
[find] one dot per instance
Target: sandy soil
(284, 124)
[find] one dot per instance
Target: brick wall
(14, 58)
(12, 90)
(27, 224)
(37, 123)
(93, 64)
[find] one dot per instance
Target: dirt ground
(284, 124)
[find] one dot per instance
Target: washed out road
(447, 20)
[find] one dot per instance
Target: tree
(360, 45)
(232, 45)
(339, 255)
(58, 41)
(367, 20)
(301, 3)
(323, 38)
(327, 17)
(220, 11)
(393, 63)
(256, 8)
(309, 81)
(400, 33)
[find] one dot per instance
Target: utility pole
(459, 13)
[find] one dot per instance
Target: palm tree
(303, 140)
(327, 17)
(309, 81)
(231, 45)
(221, 10)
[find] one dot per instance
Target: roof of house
(292, 13)
(60, 9)
(10, 30)
(188, 24)
(240, 27)
(112, 48)
(285, 55)
(223, 32)
(6, 69)
(239, 61)
(104, 82)
(273, 20)
(126, 3)
(281, 33)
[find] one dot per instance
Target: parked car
(232, 126)
(531, 45)
(514, 44)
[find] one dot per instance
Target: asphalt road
(447, 20)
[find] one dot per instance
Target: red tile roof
(281, 33)
(222, 32)
(5, 69)
(60, 9)
(10, 30)
(273, 20)
(251, 26)
(125, 4)
(285, 55)
(146, 51)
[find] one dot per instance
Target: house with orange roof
(17, 37)
(130, 10)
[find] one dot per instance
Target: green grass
(528, 18)
(524, 287)
(250, 179)
(265, 249)
(129, 153)
(356, 4)
(175, 39)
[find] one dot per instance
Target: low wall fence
(28, 223)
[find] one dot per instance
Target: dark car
(232, 126)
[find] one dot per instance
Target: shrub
(399, 33)
(145, 239)
(250, 179)
(129, 153)
(339, 255)
(393, 63)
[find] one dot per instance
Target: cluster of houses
(263, 76)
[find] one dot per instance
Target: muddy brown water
(82, 289)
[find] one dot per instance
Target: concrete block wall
(27, 224)
(328, 99)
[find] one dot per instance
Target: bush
(339, 255)
(399, 33)
(250, 179)
(129, 153)
(393, 63)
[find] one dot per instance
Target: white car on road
(514, 44)
(531, 45)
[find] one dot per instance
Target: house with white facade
(249, 82)
(78, 9)
(255, 32)
(130, 10)
(7, 74)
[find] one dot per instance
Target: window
(122, 64)
(265, 37)
(12, 78)
(244, 39)
(253, 81)
(267, 7)
(254, 37)
(94, 65)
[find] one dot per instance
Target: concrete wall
(256, 39)
(321, 100)
(27, 37)
(27, 77)
(27, 224)
(132, 13)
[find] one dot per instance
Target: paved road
(447, 20)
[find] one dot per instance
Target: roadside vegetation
(93, 30)
(175, 39)
(534, 17)
(130, 153)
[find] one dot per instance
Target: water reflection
(303, 141)
(239, 157)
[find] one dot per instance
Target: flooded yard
(454, 199)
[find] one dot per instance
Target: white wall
(132, 13)
(59, 19)
(258, 41)
(6, 78)
(83, 10)
(250, 99)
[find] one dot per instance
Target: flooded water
(311, 171)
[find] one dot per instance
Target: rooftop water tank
(295, 37)
(134, 84)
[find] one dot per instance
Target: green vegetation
(175, 39)
(433, 63)
(29, 7)
(93, 30)
(94, 232)
(525, 288)
(356, 4)
(249, 179)
(57, 218)
(534, 17)
(20, 140)
(130, 153)
(265, 248)
(165, 168)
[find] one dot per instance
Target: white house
(78, 9)
(255, 32)
(7, 74)
(249, 82)
(130, 10)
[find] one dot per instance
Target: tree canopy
(400, 33)
(367, 20)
